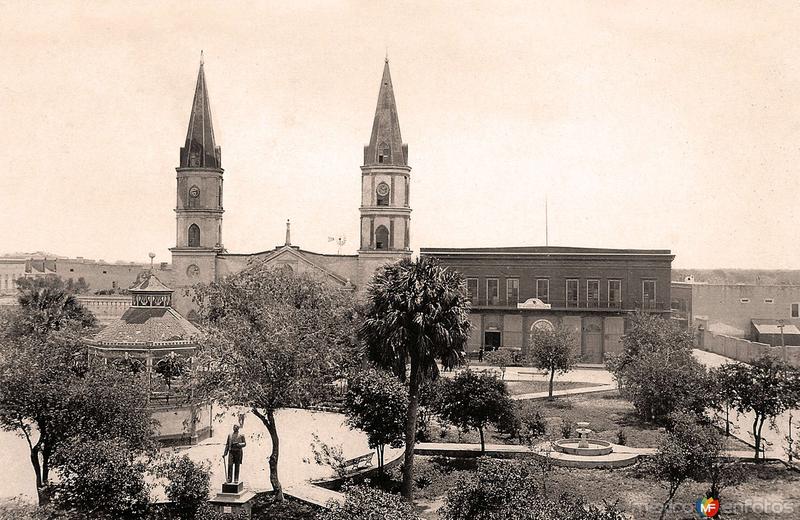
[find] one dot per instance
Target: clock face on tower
(194, 192)
(192, 271)
(383, 189)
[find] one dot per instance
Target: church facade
(199, 255)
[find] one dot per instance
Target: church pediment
(288, 257)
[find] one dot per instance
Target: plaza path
(296, 465)
(743, 423)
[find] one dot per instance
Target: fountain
(585, 452)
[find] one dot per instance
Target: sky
(670, 125)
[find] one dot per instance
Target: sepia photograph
(399, 260)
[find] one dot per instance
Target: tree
(472, 400)
(416, 314)
(688, 450)
(376, 402)
(274, 340)
(187, 485)
(657, 370)
(51, 395)
(366, 503)
(501, 359)
(766, 388)
(171, 367)
(551, 350)
(101, 480)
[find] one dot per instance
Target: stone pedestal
(233, 499)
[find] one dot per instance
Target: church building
(199, 255)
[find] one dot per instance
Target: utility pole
(546, 224)
(781, 325)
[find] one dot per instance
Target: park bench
(360, 462)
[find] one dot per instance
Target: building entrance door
(491, 341)
(592, 347)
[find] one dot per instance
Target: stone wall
(744, 350)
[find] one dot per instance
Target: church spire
(385, 144)
(200, 150)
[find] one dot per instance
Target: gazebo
(154, 338)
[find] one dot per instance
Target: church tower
(385, 185)
(199, 202)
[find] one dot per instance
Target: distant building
(589, 291)
(11, 269)
(740, 310)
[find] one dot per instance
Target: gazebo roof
(147, 326)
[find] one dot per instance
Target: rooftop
(147, 326)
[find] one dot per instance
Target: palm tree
(48, 305)
(417, 314)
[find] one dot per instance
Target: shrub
(523, 421)
(622, 437)
(100, 480)
(508, 489)
(188, 485)
(566, 429)
(364, 503)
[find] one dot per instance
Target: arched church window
(194, 236)
(381, 238)
(384, 153)
(382, 194)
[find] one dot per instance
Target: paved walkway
(568, 391)
(311, 494)
(463, 449)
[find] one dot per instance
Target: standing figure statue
(233, 450)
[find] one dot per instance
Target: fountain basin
(595, 447)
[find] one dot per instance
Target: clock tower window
(194, 236)
(382, 238)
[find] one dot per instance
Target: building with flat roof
(745, 311)
(589, 291)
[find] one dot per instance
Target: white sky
(670, 125)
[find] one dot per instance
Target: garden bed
(770, 490)
(606, 412)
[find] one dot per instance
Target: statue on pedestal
(233, 450)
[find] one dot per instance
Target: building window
(194, 236)
(649, 294)
(543, 289)
(615, 293)
(492, 291)
(472, 289)
(572, 293)
(512, 291)
(769, 300)
(382, 194)
(796, 310)
(72, 270)
(744, 300)
(593, 293)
